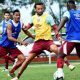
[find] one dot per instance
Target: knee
(22, 59)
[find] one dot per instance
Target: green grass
(44, 72)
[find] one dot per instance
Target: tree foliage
(2, 1)
(13, 0)
(36, 1)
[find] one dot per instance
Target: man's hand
(60, 39)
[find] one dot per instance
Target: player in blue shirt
(10, 38)
(4, 25)
(72, 20)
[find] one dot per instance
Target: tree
(13, 0)
(2, 1)
(36, 1)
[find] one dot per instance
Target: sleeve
(9, 23)
(66, 14)
(50, 20)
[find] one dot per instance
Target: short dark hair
(16, 11)
(6, 12)
(39, 3)
(71, 1)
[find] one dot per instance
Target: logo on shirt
(77, 16)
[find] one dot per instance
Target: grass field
(44, 72)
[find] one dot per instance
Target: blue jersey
(73, 26)
(5, 24)
(5, 42)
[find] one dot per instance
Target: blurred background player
(72, 20)
(4, 24)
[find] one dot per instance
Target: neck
(39, 14)
(72, 9)
(15, 21)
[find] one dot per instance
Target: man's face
(39, 9)
(71, 6)
(7, 16)
(16, 16)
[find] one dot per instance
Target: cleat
(71, 67)
(15, 78)
(61, 78)
(12, 74)
(58, 75)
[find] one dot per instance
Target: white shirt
(66, 14)
(16, 24)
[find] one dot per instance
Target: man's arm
(28, 33)
(9, 33)
(50, 21)
(55, 28)
(25, 30)
(26, 27)
(62, 23)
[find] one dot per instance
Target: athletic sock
(60, 63)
